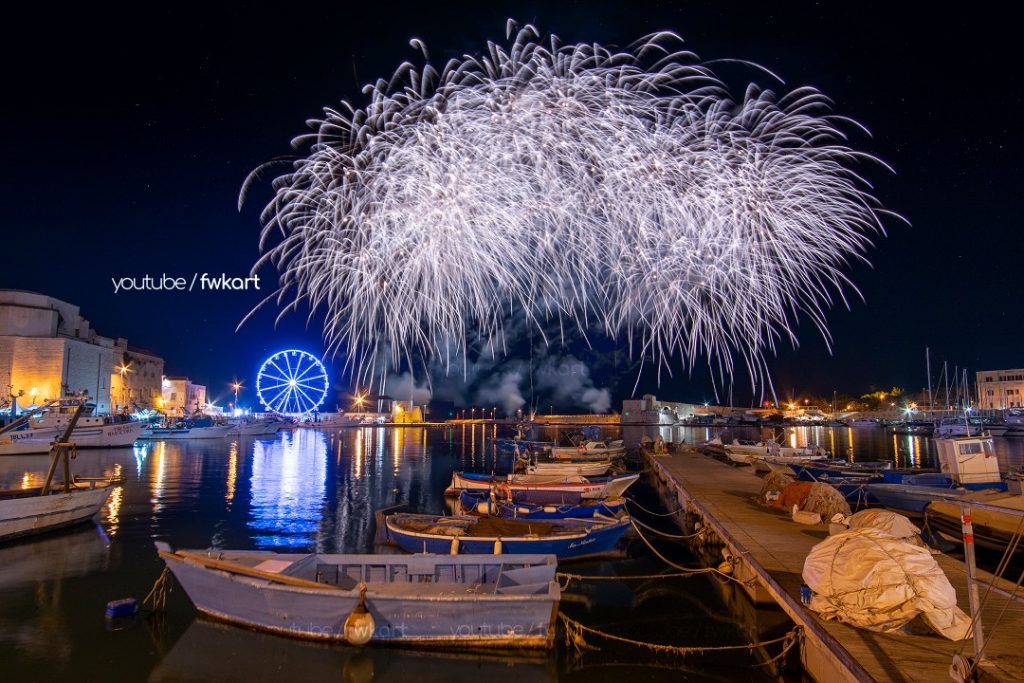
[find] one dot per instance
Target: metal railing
(967, 508)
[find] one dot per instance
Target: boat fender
(454, 548)
(483, 508)
(126, 607)
(728, 565)
(497, 547)
(550, 508)
(359, 625)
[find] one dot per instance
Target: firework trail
(625, 192)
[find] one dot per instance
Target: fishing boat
(567, 468)
(864, 423)
(486, 503)
(196, 428)
(24, 512)
(591, 450)
(968, 463)
(564, 538)
(91, 431)
(742, 451)
(544, 489)
(264, 427)
(419, 600)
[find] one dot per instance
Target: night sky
(127, 134)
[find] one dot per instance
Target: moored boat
(90, 431)
(485, 503)
(198, 428)
(418, 600)
(31, 511)
(24, 512)
(538, 488)
(589, 451)
(566, 468)
(564, 538)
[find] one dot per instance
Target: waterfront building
(136, 380)
(1001, 389)
(181, 397)
(650, 411)
(47, 348)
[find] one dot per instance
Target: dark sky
(128, 132)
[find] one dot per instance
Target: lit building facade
(650, 411)
(136, 379)
(48, 349)
(181, 397)
(1001, 389)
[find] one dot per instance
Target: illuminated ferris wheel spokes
(292, 382)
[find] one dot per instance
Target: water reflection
(214, 652)
(287, 489)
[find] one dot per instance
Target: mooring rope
(566, 577)
(632, 501)
(158, 593)
(575, 640)
(665, 534)
(709, 570)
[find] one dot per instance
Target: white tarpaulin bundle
(893, 523)
(867, 578)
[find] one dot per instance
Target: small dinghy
(544, 488)
(419, 600)
(564, 538)
(484, 503)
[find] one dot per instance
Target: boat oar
(235, 568)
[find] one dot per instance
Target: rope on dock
(574, 639)
(157, 595)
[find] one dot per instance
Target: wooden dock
(770, 549)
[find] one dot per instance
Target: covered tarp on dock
(867, 578)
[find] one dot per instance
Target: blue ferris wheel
(292, 382)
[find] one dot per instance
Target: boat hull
(479, 502)
(31, 515)
(542, 490)
(117, 435)
(405, 612)
(577, 538)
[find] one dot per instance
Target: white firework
(619, 191)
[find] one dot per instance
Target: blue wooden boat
(483, 503)
(564, 538)
(419, 600)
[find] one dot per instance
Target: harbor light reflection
(288, 487)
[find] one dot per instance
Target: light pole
(237, 386)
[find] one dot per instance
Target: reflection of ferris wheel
(292, 382)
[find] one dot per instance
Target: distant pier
(769, 550)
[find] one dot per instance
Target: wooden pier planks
(773, 548)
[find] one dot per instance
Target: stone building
(1001, 389)
(650, 411)
(181, 397)
(136, 379)
(47, 348)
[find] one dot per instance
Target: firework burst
(621, 191)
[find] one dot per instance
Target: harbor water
(317, 490)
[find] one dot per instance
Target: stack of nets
(774, 482)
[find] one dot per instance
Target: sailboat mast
(928, 368)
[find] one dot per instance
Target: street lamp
(237, 386)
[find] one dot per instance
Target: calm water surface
(309, 490)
